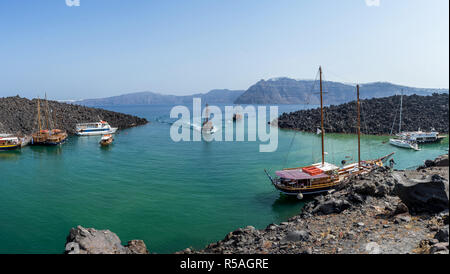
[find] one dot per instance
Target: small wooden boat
(10, 143)
(106, 140)
(48, 136)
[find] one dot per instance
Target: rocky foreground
(383, 212)
(19, 116)
(377, 116)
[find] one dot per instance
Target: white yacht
(404, 143)
(98, 128)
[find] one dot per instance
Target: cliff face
(289, 91)
(19, 116)
(377, 115)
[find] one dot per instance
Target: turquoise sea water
(145, 186)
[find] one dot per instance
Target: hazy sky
(109, 47)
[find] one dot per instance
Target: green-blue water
(171, 195)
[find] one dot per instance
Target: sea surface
(172, 195)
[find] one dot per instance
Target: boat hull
(94, 132)
(10, 147)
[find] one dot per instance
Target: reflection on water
(10, 155)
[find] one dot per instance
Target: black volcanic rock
(377, 115)
(19, 116)
(91, 241)
(289, 91)
(429, 195)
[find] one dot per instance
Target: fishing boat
(10, 143)
(47, 135)
(321, 177)
(207, 125)
(96, 128)
(106, 140)
(403, 140)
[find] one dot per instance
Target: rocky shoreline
(19, 116)
(383, 212)
(377, 116)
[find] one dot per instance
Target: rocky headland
(377, 116)
(19, 116)
(382, 212)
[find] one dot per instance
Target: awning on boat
(297, 174)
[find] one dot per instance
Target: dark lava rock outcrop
(429, 194)
(91, 241)
(377, 115)
(19, 116)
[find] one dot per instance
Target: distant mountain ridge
(285, 90)
(280, 90)
(216, 96)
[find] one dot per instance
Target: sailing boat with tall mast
(323, 176)
(49, 136)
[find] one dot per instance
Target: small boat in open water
(403, 139)
(106, 140)
(321, 177)
(10, 143)
(97, 128)
(207, 126)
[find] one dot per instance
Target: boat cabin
(308, 176)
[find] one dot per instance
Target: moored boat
(207, 125)
(404, 143)
(96, 128)
(106, 140)
(10, 143)
(322, 177)
(47, 135)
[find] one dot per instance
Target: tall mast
(47, 114)
(359, 127)
(39, 114)
(321, 116)
(401, 107)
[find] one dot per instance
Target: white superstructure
(420, 136)
(404, 143)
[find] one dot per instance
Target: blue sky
(109, 47)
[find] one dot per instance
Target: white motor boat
(99, 128)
